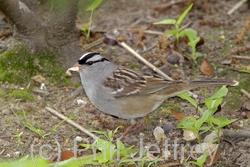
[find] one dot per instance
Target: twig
(148, 49)
(241, 57)
(153, 32)
(124, 45)
(235, 7)
(235, 135)
(167, 5)
(93, 44)
(71, 122)
(247, 94)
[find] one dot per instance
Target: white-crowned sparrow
(126, 93)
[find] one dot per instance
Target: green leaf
(187, 123)
(173, 32)
(245, 71)
(168, 21)
(224, 121)
(214, 120)
(194, 42)
(220, 93)
(200, 160)
(185, 96)
(204, 129)
(100, 133)
(191, 34)
(94, 5)
(213, 104)
(201, 120)
(198, 54)
(182, 33)
(183, 15)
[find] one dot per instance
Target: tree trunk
(56, 32)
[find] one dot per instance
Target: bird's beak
(76, 67)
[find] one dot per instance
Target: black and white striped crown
(91, 58)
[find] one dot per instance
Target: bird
(126, 93)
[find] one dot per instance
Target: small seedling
(207, 122)
(177, 32)
(193, 40)
(92, 7)
(201, 160)
(37, 130)
(18, 136)
(110, 135)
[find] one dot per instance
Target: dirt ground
(128, 20)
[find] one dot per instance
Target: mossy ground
(18, 65)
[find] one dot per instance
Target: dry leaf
(38, 78)
(206, 69)
(227, 61)
(159, 134)
(214, 157)
(66, 155)
(177, 115)
(246, 105)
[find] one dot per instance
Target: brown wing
(125, 82)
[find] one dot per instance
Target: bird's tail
(201, 83)
(178, 88)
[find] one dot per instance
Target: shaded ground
(123, 19)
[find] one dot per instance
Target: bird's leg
(140, 126)
(133, 123)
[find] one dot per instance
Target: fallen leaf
(227, 61)
(215, 157)
(38, 78)
(205, 68)
(177, 115)
(121, 39)
(66, 155)
(110, 41)
(246, 105)
(159, 134)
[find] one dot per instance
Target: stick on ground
(124, 45)
(71, 122)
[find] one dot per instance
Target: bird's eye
(90, 63)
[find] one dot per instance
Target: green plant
(37, 130)
(110, 135)
(18, 136)
(109, 152)
(201, 160)
(177, 32)
(92, 7)
(27, 162)
(24, 94)
(207, 121)
(193, 40)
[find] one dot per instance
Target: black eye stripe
(84, 59)
(93, 62)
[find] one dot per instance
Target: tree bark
(57, 32)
